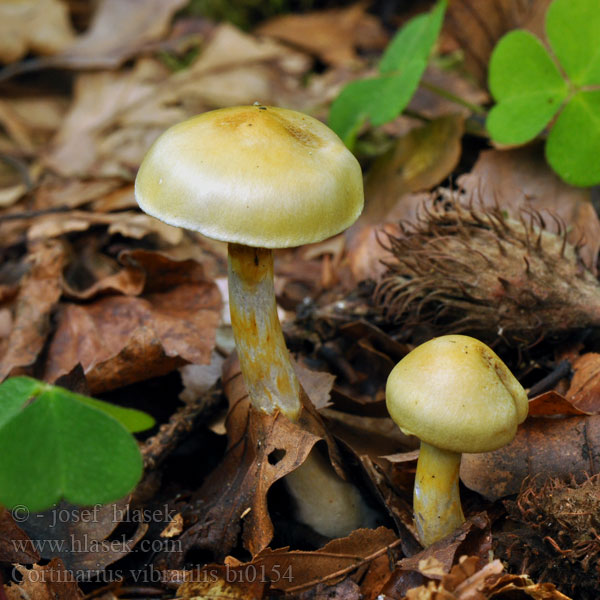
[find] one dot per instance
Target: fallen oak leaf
(331, 563)
(262, 449)
(119, 340)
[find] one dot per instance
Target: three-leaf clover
(56, 444)
(381, 99)
(531, 87)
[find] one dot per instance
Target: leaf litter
(98, 295)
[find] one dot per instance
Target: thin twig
(345, 570)
(156, 449)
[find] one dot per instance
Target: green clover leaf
(530, 90)
(381, 99)
(56, 444)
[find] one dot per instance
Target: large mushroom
(456, 395)
(259, 178)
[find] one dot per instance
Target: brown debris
(584, 392)
(49, 582)
(41, 26)
(332, 35)
(474, 270)
(38, 294)
(521, 179)
(555, 535)
(549, 446)
(15, 546)
(119, 340)
(80, 537)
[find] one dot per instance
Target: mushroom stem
(264, 358)
(330, 505)
(436, 499)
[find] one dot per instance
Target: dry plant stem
(264, 358)
(436, 499)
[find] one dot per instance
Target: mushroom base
(436, 501)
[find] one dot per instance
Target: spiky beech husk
(556, 535)
(477, 270)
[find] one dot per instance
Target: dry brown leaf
(129, 224)
(439, 561)
(332, 35)
(222, 583)
(552, 447)
(15, 546)
(418, 161)
(49, 582)
(296, 570)
(92, 273)
(521, 178)
(520, 587)
(331, 563)
(551, 404)
(262, 449)
(38, 294)
(40, 26)
(238, 68)
(82, 145)
(120, 340)
(73, 193)
(115, 117)
(120, 29)
(236, 492)
(584, 392)
(478, 26)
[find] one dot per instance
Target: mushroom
(259, 178)
(456, 395)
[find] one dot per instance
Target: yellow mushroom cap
(254, 175)
(455, 393)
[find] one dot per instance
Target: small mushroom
(456, 395)
(258, 178)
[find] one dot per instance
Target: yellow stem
(436, 499)
(264, 358)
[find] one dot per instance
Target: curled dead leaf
(38, 294)
(41, 26)
(584, 392)
(332, 35)
(120, 340)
